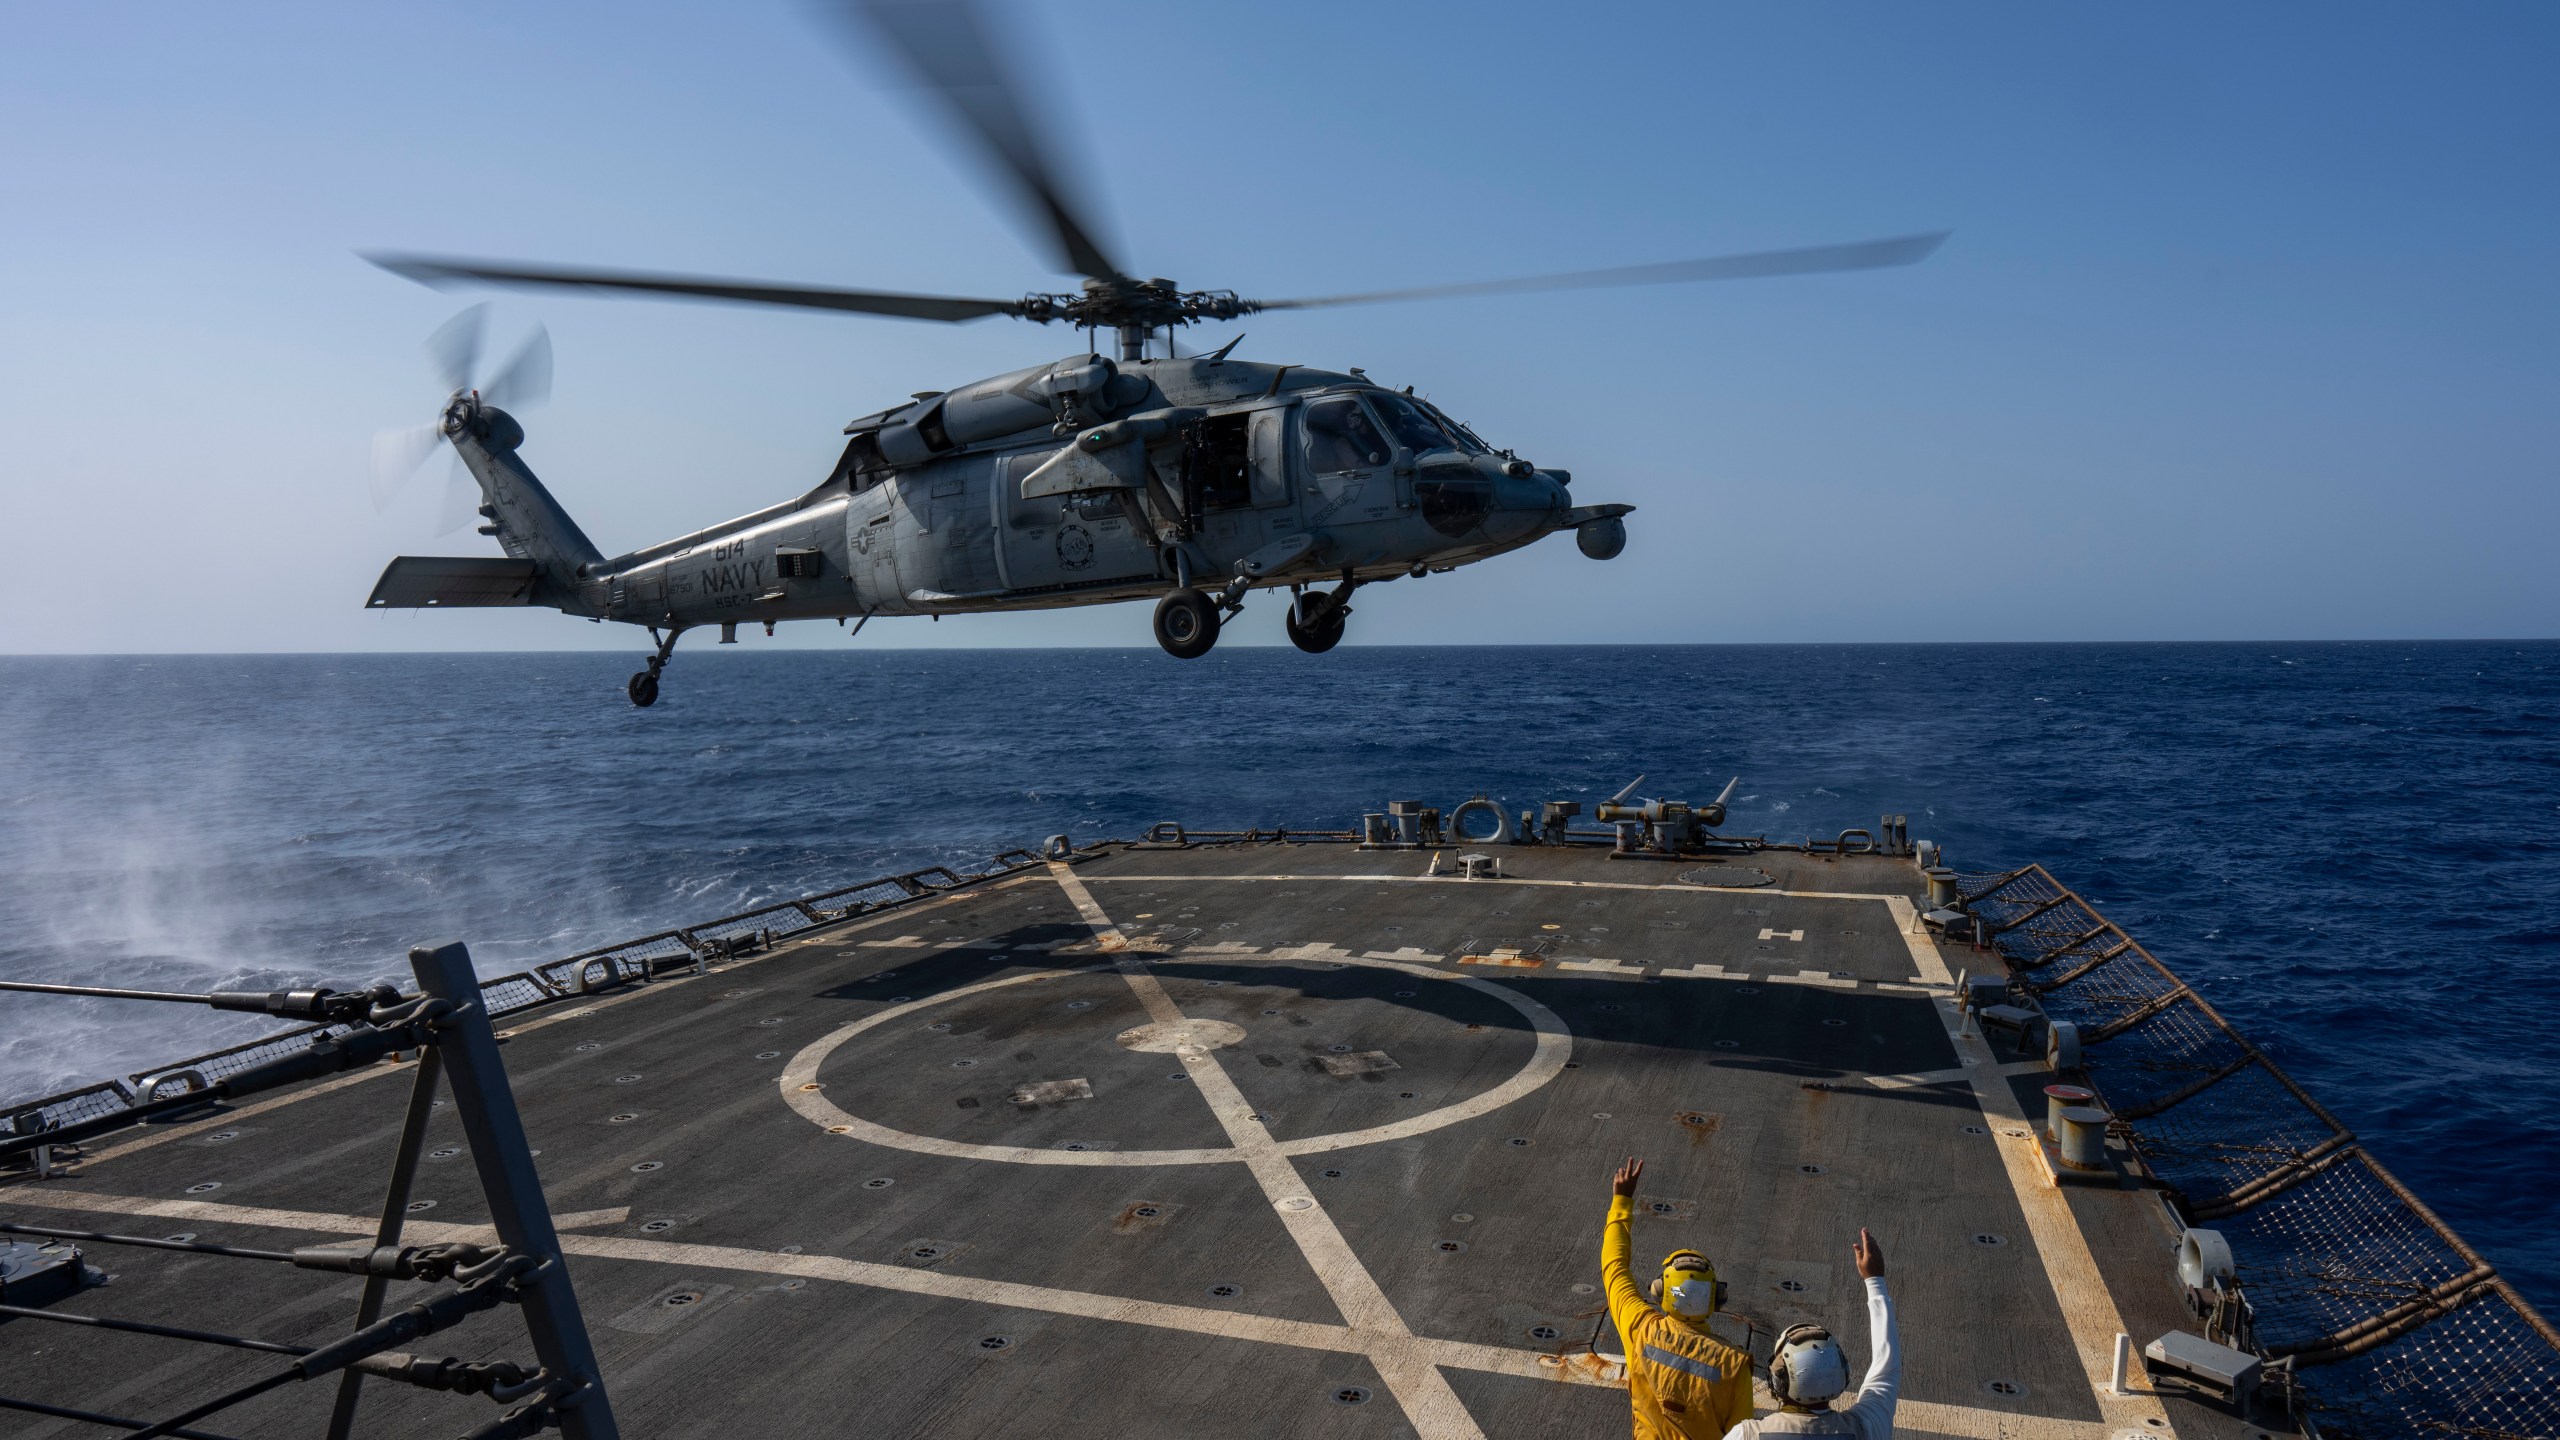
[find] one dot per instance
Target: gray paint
(786, 1349)
(950, 513)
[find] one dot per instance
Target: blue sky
(2247, 329)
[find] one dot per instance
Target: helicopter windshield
(1340, 436)
(1414, 430)
(1467, 439)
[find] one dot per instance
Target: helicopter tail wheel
(1323, 627)
(1186, 624)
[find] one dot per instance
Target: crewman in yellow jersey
(1684, 1383)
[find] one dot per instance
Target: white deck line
(1673, 888)
(806, 1094)
(2079, 1287)
(1956, 1076)
(2093, 1323)
(1915, 938)
(2088, 1308)
(1957, 1420)
(1106, 935)
(1420, 1389)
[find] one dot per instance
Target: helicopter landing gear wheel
(1186, 624)
(1329, 620)
(643, 688)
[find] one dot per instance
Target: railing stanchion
(485, 1104)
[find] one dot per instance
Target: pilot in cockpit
(1417, 431)
(1341, 436)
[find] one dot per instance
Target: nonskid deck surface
(1273, 1139)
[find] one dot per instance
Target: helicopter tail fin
(528, 523)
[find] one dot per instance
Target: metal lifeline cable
(165, 1332)
(448, 1025)
(197, 1247)
(65, 1412)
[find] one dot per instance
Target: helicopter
(1193, 480)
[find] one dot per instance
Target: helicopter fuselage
(1076, 483)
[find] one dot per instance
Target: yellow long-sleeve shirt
(1685, 1384)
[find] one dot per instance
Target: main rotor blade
(526, 380)
(1866, 255)
(455, 347)
(944, 42)
(397, 454)
(427, 270)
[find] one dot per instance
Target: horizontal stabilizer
(417, 582)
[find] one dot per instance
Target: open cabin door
(1236, 499)
(1269, 456)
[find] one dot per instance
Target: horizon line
(1150, 649)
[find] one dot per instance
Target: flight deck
(1184, 1139)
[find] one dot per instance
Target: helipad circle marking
(1546, 1061)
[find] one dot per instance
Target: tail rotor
(454, 351)
(455, 347)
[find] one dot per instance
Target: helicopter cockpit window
(1414, 430)
(1341, 436)
(1467, 439)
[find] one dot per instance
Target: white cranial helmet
(1808, 1368)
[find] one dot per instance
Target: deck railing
(586, 973)
(2394, 1326)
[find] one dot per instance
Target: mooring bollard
(2080, 1132)
(2058, 1098)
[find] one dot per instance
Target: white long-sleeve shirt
(1870, 1416)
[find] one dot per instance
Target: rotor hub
(1118, 302)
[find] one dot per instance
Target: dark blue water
(2349, 848)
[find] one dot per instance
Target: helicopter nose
(1523, 504)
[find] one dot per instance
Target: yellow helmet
(1689, 1287)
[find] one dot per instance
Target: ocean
(2348, 848)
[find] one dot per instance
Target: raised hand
(1624, 1182)
(1870, 1255)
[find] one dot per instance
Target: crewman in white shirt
(1808, 1371)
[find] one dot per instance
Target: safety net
(2394, 1326)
